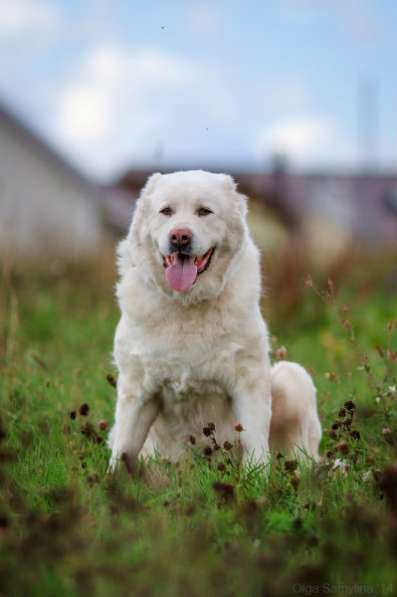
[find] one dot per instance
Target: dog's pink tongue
(182, 274)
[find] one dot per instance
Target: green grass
(68, 528)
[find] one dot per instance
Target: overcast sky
(116, 83)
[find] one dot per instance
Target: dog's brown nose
(180, 238)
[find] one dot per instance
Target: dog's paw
(113, 464)
(123, 459)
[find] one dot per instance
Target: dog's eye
(166, 211)
(203, 211)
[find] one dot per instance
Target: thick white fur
(295, 427)
(185, 360)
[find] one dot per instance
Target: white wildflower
(340, 465)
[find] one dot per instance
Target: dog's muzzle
(183, 269)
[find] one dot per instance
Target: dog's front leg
(251, 401)
(134, 417)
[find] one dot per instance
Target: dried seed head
(239, 428)
(224, 490)
(111, 380)
(227, 445)
(331, 376)
(72, 414)
(221, 467)
(211, 426)
(350, 406)
(355, 434)
(192, 439)
(88, 430)
(103, 425)
(84, 409)
(342, 413)
(207, 451)
(291, 465)
(207, 431)
(343, 447)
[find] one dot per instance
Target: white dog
(191, 346)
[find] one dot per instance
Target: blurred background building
(46, 205)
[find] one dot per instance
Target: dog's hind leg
(295, 428)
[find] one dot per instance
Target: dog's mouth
(182, 271)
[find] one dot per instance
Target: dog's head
(187, 230)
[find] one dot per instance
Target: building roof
(116, 213)
(20, 129)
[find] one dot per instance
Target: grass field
(205, 527)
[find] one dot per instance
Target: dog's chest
(189, 371)
(188, 365)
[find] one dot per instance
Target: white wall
(43, 210)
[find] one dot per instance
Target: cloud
(308, 139)
(22, 17)
(121, 104)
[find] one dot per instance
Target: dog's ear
(138, 218)
(228, 182)
(230, 185)
(150, 185)
(126, 247)
(124, 258)
(241, 203)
